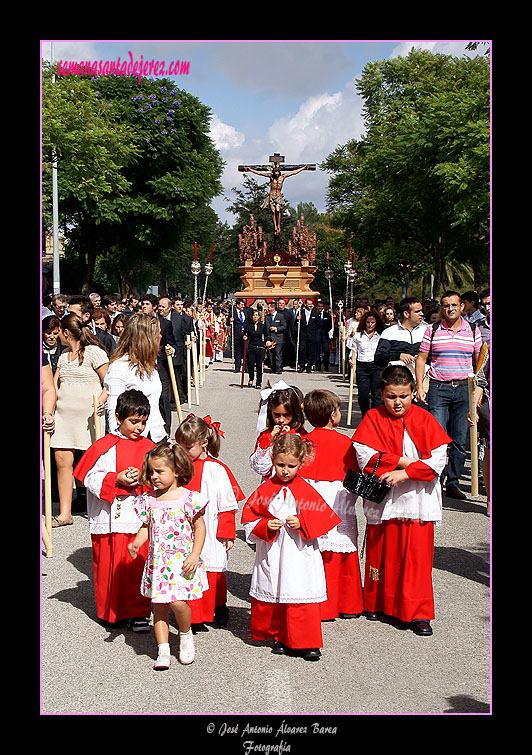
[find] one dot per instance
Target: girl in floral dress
(172, 519)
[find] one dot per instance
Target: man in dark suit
(183, 326)
(276, 330)
(289, 350)
(322, 337)
(240, 315)
(149, 305)
(308, 326)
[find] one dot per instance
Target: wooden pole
(47, 527)
(473, 435)
(350, 402)
(244, 362)
(203, 353)
(195, 368)
(97, 420)
(171, 372)
(342, 339)
(189, 387)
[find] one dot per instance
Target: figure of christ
(275, 198)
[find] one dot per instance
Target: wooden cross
(276, 159)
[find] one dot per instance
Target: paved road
(365, 668)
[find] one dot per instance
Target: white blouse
(121, 377)
(364, 346)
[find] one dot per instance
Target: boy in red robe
(400, 530)
(334, 455)
(109, 469)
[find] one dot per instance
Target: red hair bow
(214, 425)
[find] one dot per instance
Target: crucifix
(274, 173)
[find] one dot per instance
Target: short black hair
(397, 375)
(132, 403)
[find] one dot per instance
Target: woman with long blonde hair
(133, 365)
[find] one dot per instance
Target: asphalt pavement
(238, 691)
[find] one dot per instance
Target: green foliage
(139, 210)
(414, 191)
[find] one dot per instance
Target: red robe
(117, 577)
(399, 553)
(334, 455)
(296, 624)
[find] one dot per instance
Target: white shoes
(163, 658)
(187, 650)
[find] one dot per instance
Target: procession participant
(364, 345)
(400, 530)
(149, 305)
(238, 320)
(308, 326)
(322, 336)
(109, 470)
(280, 412)
(200, 437)
(209, 321)
(276, 331)
(334, 455)
(283, 518)
(454, 346)
(255, 333)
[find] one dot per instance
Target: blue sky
(293, 97)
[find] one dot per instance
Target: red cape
(316, 516)
(129, 453)
(334, 455)
(383, 432)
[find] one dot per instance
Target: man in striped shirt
(454, 347)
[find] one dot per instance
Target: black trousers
(255, 362)
(368, 377)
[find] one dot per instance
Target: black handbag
(366, 485)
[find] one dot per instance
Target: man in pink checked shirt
(454, 346)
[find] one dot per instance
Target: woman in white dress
(133, 365)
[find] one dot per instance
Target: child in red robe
(284, 518)
(110, 469)
(334, 455)
(400, 531)
(280, 412)
(200, 437)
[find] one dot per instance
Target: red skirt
(398, 576)
(117, 577)
(202, 609)
(296, 625)
(344, 584)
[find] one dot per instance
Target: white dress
(121, 377)
(216, 487)
(289, 569)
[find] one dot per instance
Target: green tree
(413, 193)
(168, 170)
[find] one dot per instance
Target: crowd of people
(162, 510)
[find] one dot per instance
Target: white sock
(164, 648)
